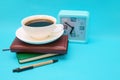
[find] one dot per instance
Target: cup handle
(59, 27)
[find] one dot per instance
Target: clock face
(75, 27)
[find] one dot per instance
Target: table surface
(97, 60)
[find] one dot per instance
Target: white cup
(39, 32)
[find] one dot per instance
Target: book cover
(59, 46)
(28, 57)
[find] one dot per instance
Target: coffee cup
(39, 26)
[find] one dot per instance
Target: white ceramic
(44, 31)
(21, 34)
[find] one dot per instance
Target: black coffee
(39, 23)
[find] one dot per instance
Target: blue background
(97, 60)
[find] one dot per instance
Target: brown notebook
(58, 46)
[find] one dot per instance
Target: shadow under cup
(39, 27)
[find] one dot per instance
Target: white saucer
(21, 34)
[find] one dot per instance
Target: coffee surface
(39, 23)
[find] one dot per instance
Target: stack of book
(28, 52)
